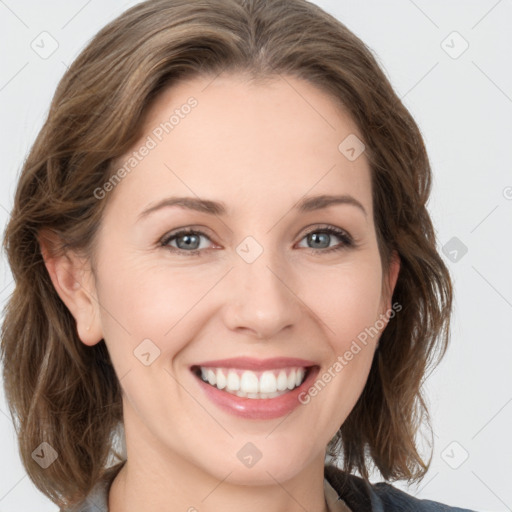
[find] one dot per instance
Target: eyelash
(347, 240)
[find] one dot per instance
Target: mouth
(253, 384)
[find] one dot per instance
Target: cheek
(156, 303)
(349, 309)
(346, 300)
(153, 300)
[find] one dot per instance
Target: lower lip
(258, 409)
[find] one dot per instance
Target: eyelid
(320, 227)
(195, 230)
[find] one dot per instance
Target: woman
(221, 244)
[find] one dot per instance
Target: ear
(74, 282)
(389, 281)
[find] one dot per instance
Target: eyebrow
(306, 204)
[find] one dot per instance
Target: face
(261, 272)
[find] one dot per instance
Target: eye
(320, 237)
(187, 240)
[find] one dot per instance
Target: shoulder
(380, 497)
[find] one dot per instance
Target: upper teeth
(249, 382)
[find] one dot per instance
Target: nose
(262, 299)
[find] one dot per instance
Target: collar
(333, 501)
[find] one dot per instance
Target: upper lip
(250, 363)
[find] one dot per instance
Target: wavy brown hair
(66, 393)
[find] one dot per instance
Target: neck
(132, 491)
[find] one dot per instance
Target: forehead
(227, 136)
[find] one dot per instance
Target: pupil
(188, 240)
(320, 238)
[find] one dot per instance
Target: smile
(256, 389)
(253, 384)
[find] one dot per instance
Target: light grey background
(463, 105)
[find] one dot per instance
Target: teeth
(282, 381)
(268, 383)
(291, 380)
(233, 382)
(249, 384)
(221, 379)
(211, 376)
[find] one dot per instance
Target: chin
(271, 465)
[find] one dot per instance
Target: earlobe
(73, 281)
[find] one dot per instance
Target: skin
(259, 148)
